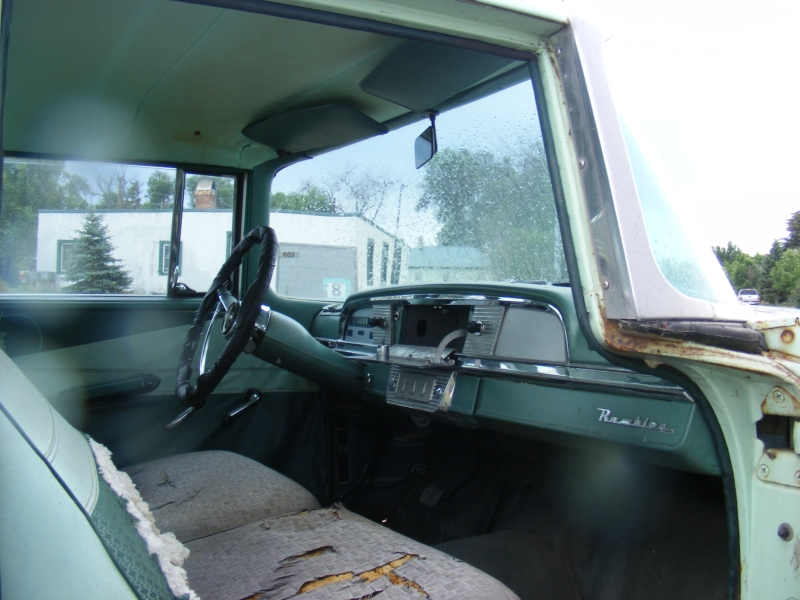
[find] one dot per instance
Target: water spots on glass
(481, 210)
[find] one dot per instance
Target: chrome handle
(253, 398)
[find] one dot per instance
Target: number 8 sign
(336, 289)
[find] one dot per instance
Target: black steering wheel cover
(250, 307)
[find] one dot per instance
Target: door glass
(81, 227)
(481, 210)
(206, 228)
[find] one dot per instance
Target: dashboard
(515, 363)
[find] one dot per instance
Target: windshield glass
(481, 210)
(680, 245)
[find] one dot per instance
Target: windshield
(481, 210)
(679, 243)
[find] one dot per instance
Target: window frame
(241, 179)
(60, 270)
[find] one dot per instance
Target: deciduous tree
(160, 190)
(501, 205)
(29, 186)
(311, 199)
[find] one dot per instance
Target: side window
(100, 228)
(206, 228)
(79, 227)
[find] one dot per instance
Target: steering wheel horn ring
(240, 320)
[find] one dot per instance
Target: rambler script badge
(605, 417)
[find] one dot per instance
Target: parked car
(749, 295)
(434, 328)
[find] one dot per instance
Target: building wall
(137, 236)
(342, 232)
(437, 275)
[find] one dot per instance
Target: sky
(715, 86)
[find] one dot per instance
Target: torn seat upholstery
(67, 526)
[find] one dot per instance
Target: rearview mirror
(425, 145)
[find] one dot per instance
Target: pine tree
(94, 270)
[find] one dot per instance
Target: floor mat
(532, 565)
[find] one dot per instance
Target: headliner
(165, 81)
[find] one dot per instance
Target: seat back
(63, 531)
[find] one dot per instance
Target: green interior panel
(681, 430)
(558, 296)
(165, 81)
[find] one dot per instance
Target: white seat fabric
(202, 493)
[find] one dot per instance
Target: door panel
(60, 344)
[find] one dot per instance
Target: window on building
(384, 263)
(370, 261)
(163, 257)
(164, 249)
(396, 260)
(66, 255)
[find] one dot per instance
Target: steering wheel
(238, 324)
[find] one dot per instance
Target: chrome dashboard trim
(585, 375)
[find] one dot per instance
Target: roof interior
(164, 81)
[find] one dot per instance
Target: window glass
(481, 210)
(80, 227)
(689, 266)
(206, 228)
(654, 131)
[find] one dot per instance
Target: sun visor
(420, 76)
(313, 128)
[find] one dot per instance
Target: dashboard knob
(393, 384)
(475, 327)
(377, 322)
(438, 392)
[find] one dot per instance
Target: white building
(447, 263)
(321, 256)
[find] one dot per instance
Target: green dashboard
(512, 358)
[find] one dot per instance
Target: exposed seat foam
(202, 493)
(329, 554)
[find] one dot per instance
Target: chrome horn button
(230, 318)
